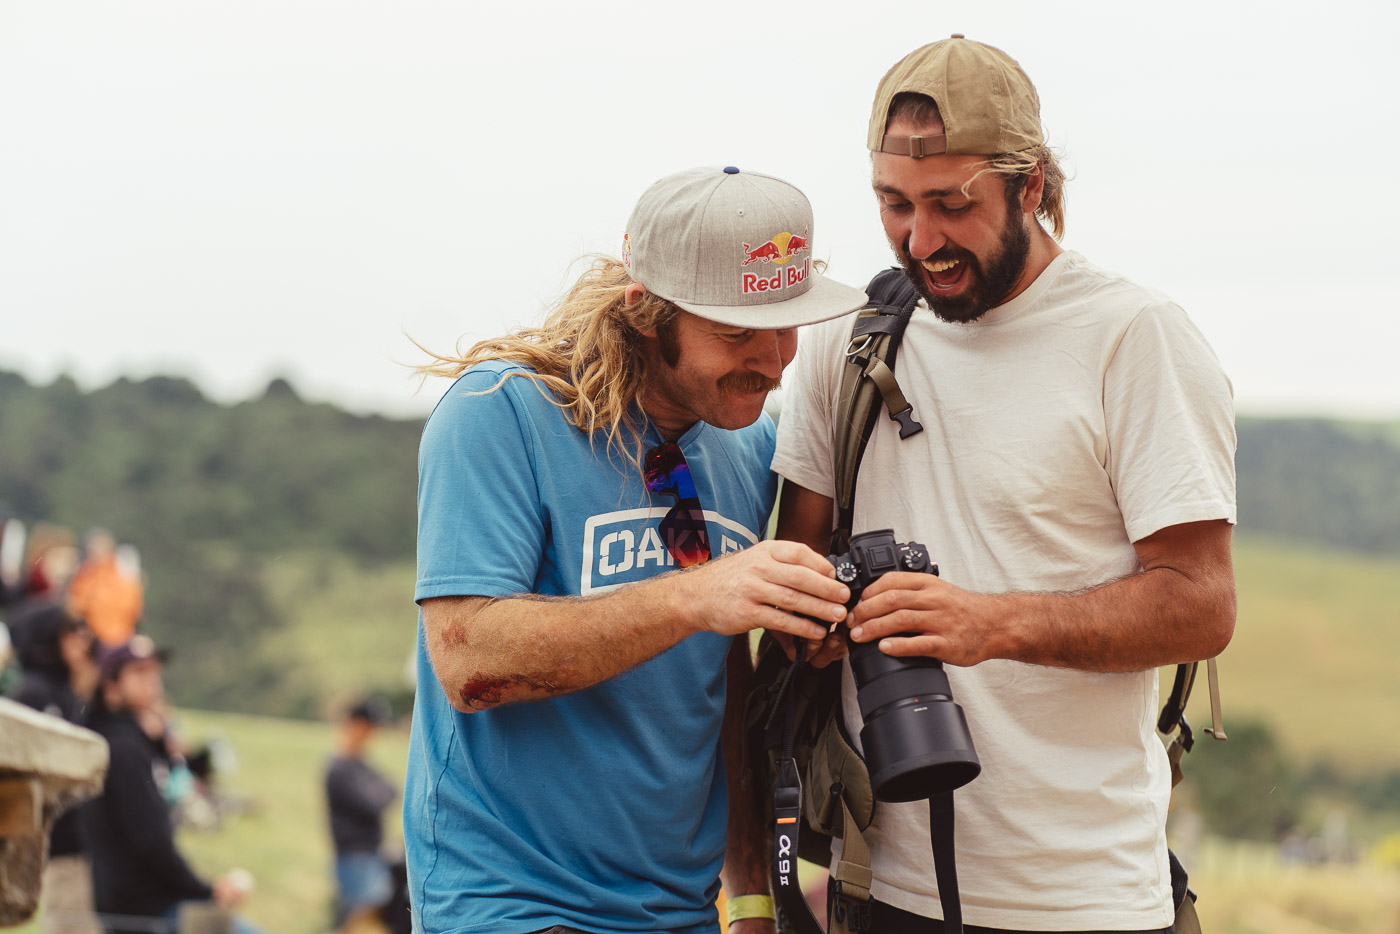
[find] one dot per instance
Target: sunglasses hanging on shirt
(683, 527)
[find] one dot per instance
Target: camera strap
(853, 871)
(787, 811)
(787, 829)
(945, 868)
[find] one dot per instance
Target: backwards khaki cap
(732, 247)
(988, 104)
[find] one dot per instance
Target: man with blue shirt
(592, 498)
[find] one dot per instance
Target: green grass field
(284, 839)
(1314, 653)
(1246, 889)
(283, 836)
(350, 629)
(1314, 656)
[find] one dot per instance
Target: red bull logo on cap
(777, 251)
(627, 250)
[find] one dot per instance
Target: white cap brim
(824, 300)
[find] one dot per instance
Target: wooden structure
(47, 765)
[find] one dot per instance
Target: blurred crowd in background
(71, 647)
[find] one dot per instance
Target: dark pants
(887, 919)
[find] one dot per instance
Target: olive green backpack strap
(867, 384)
(850, 880)
(1173, 715)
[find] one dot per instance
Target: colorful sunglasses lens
(683, 528)
(667, 472)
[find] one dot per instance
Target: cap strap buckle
(916, 147)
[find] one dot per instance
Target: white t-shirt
(1079, 417)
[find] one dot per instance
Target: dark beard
(990, 287)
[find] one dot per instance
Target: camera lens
(915, 737)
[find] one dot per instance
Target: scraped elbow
(473, 695)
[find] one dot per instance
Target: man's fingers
(808, 580)
(800, 604)
(890, 624)
(874, 623)
(771, 585)
(901, 580)
(832, 649)
(796, 553)
(798, 590)
(891, 601)
(775, 619)
(901, 646)
(820, 652)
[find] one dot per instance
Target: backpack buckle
(907, 425)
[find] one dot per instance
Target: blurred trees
(1327, 482)
(210, 494)
(214, 495)
(1246, 787)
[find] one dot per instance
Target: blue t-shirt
(603, 809)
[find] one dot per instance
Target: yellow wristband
(748, 906)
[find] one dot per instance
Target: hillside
(216, 498)
(275, 529)
(1331, 483)
(1314, 653)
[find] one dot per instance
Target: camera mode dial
(846, 572)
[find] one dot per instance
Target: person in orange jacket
(103, 594)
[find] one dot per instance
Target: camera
(915, 737)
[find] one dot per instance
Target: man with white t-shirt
(1075, 483)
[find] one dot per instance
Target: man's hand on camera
(819, 653)
(949, 623)
(773, 585)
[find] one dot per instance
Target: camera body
(915, 737)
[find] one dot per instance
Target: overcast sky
(232, 191)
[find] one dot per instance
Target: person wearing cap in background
(139, 878)
(1074, 480)
(356, 796)
(565, 765)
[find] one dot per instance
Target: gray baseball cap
(732, 247)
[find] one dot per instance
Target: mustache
(748, 382)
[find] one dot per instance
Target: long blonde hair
(586, 357)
